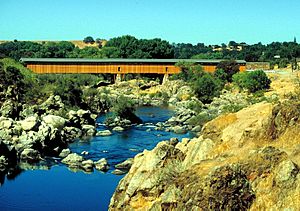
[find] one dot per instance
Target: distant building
(237, 47)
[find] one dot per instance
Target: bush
(2, 76)
(124, 107)
(206, 88)
(221, 74)
(252, 81)
(189, 71)
(283, 63)
(200, 119)
(12, 77)
(230, 68)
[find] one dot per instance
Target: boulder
(28, 111)
(174, 141)
(125, 164)
(30, 155)
(178, 129)
(104, 133)
(3, 163)
(71, 133)
(64, 153)
(30, 123)
(118, 172)
(173, 100)
(84, 153)
(85, 117)
(87, 165)
(196, 129)
(73, 160)
(56, 121)
(88, 130)
(6, 123)
(52, 105)
(10, 109)
(286, 174)
(118, 128)
(29, 140)
(101, 165)
(51, 139)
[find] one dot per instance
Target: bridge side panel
(104, 68)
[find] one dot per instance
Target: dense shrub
(205, 85)
(252, 81)
(2, 75)
(68, 86)
(229, 67)
(35, 88)
(206, 88)
(124, 107)
(189, 71)
(11, 78)
(283, 63)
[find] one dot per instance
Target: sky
(177, 21)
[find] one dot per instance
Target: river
(54, 187)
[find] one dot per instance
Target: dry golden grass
(282, 84)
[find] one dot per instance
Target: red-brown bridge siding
(104, 68)
(116, 66)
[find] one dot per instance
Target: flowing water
(54, 187)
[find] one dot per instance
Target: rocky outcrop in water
(40, 131)
(244, 160)
(102, 165)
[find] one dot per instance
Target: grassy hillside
(78, 43)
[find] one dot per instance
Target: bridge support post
(166, 78)
(118, 78)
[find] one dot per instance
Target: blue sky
(193, 21)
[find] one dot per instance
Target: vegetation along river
(52, 186)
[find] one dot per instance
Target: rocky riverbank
(28, 133)
(245, 160)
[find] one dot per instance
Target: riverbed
(52, 186)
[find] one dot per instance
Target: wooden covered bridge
(116, 66)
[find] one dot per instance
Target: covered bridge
(116, 66)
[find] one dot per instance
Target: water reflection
(10, 174)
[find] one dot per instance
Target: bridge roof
(81, 60)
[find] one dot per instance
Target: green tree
(89, 39)
(127, 45)
(131, 47)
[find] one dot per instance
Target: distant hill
(78, 43)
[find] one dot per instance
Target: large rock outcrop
(245, 160)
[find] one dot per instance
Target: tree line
(127, 46)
